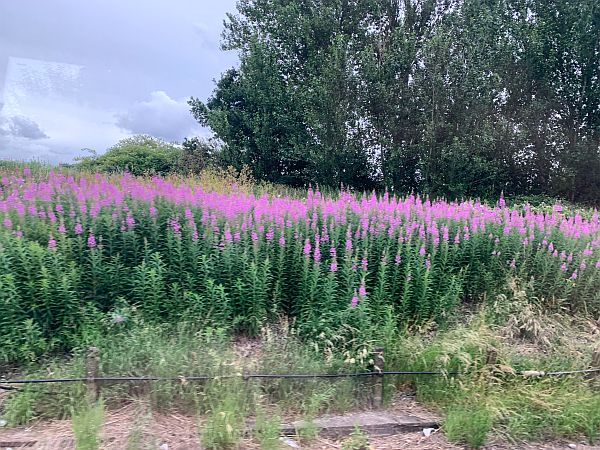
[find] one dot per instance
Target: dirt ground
(178, 432)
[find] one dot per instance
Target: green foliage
(470, 424)
(87, 423)
(458, 99)
(138, 155)
(358, 440)
(266, 430)
(225, 424)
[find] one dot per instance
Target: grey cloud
(21, 126)
(151, 48)
(160, 116)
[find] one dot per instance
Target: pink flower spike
(364, 263)
(362, 290)
(574, 275)
(501, 201)
(91, 241)
(306, 249)
(354, 301)
(51, 242)
(317, 254)
(130, 221)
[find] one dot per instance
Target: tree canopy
(449, 97)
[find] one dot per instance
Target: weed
(358, 440)
(224, 424)
(266, 431)
(308, 431)
(470, 424)
(87, 423)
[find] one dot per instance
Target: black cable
(276, 376)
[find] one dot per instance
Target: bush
(139, 155)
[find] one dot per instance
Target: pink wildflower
(362, 290)
(317, 254)
(306, 249)
(91, 241)
(174, 225)
(227, 234)
(130, 221)
(364, 263)
(270, 234)
(354, 301)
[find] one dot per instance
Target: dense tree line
(450, 97)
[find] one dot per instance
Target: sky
(78, 75)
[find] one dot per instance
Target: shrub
(138, 155)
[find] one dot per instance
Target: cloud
(161, 116)
(21, 126)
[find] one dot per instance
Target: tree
(449, 97)
(196, 155)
